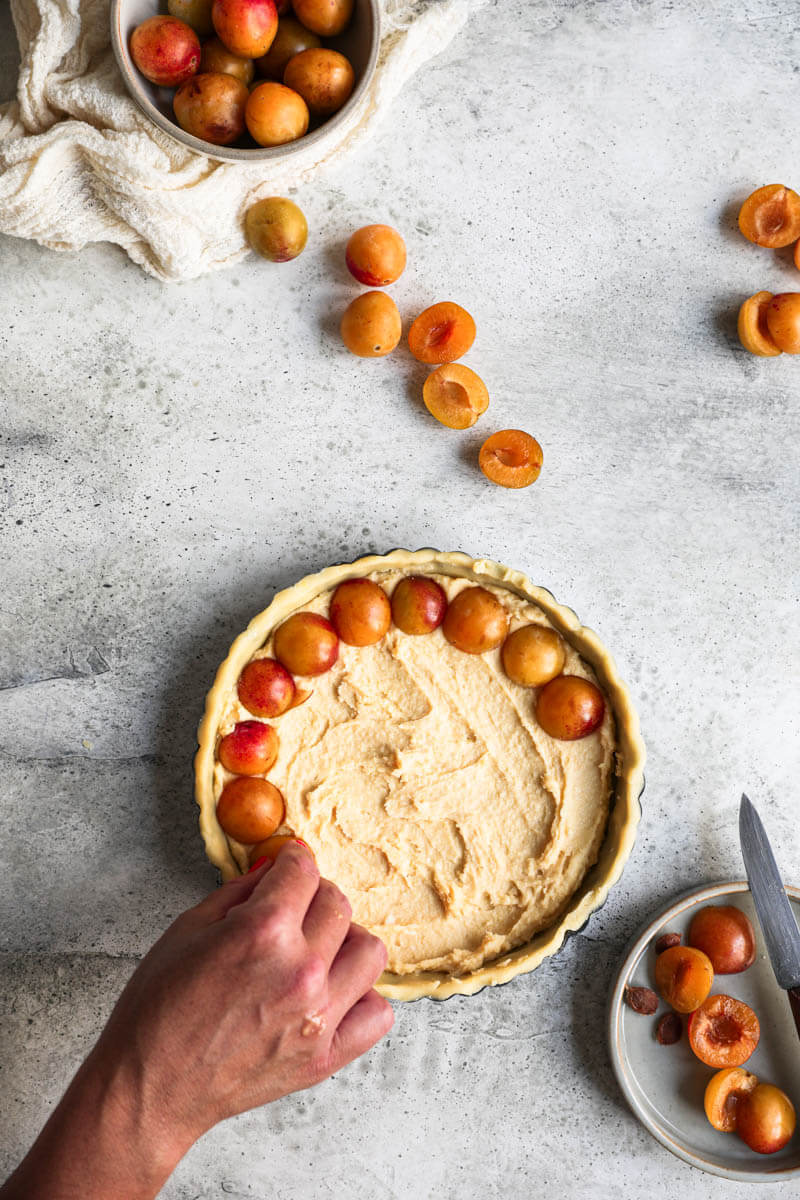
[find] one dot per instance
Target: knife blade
(778, 924)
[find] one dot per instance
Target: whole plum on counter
(276, 229)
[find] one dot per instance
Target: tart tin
(625, 811)
(664, 1085)
(360, 42)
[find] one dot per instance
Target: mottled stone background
(172, 454)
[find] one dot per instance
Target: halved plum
(723, 1094)
(455, 395)
(723, 1031)
(442, 333)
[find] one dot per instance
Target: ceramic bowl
(360, 43)
(664, 1085)
(625, 812)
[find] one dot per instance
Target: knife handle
(794, 1000)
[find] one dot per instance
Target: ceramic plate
(664, 1085)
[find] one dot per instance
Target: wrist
(147, 1133)
(108, 1136)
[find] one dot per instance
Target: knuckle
(336, 899)
(372, 948)
(265, 930)
(344, 905)
(308, 983)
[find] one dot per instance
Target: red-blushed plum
(165, 50)
(276, 228)
(418, 605)
(375, 255)
(271, 847)
(265, 688)
(570, 707)
(726, 935)
(247, 27)
(765, 1119)
(306, 643)
(249, 749)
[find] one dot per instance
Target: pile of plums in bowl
(248, 73)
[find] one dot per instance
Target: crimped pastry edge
(625, 810)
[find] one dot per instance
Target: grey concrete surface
(172, 454)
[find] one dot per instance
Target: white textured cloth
(80, 163)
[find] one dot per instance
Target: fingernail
(300, 842)
(258, 863)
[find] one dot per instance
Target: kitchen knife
(775, 915)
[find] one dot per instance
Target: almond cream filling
(420, 778)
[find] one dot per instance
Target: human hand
(262, 989)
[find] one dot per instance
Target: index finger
(290, 884)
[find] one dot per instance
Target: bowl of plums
(247, 80)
